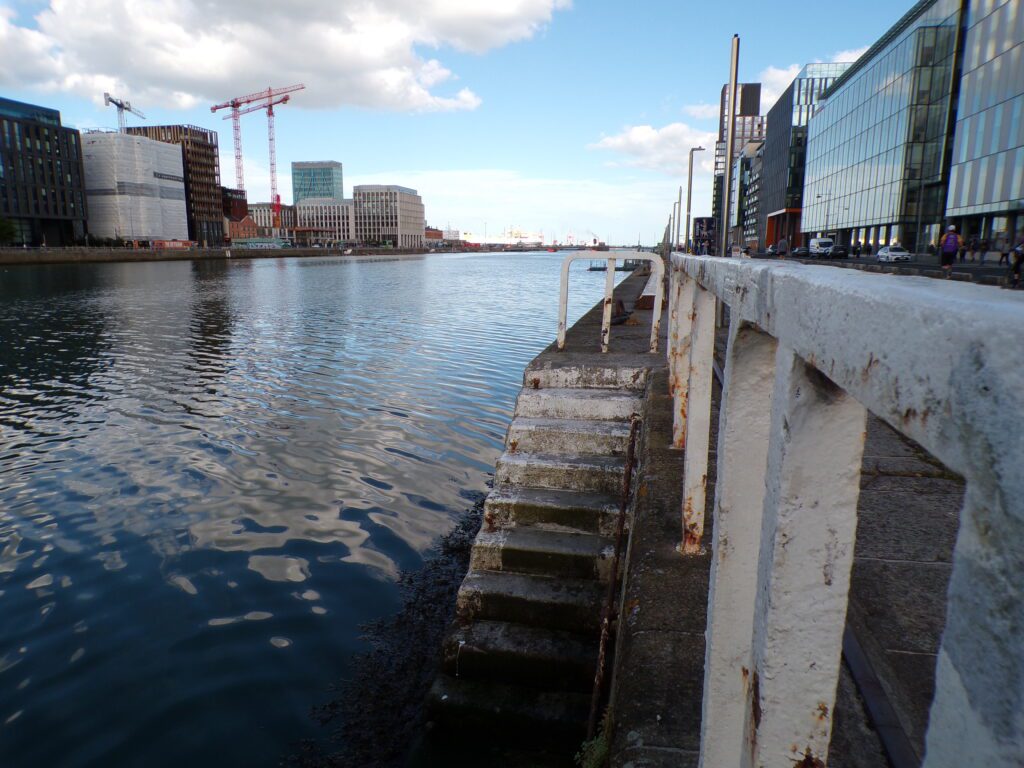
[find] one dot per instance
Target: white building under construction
(135, 187)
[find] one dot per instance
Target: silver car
(893, 253)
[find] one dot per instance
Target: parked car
(893, 253)
(820, 246)
(802, 252)
(838, 252)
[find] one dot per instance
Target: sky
(553, 116)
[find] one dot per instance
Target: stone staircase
(520, 659)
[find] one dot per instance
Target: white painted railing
(811, 350)
(609, 288)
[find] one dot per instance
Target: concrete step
(521, 655)
(558, 403)
(573, 605)
(588, 372)
(567, 436)
(577, 473)
(552, 510)
(489, 711)
(547, 553)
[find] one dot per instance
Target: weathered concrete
(950, 380)
(525, 645)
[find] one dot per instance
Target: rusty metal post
(803, 577)
(743, 434)
(679, 353)
(606, 317)
(698, 419)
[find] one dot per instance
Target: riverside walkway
(823, 557)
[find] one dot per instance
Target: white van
(820, 246)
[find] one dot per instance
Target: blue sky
(547, 115)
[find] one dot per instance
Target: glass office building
(749, 127)
(42, 188)
(879, 147)
(785, 148)
(986, 182)
(321, 180)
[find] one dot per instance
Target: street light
(689, 196)
(828, 207)
(674, 231)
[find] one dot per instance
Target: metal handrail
(609, 287)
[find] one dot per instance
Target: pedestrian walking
(1018, 264)
(983, 250)
(972, 248)
(867, 249)
(782, 248)
(1003, 246)
(856, 250)
(951, 245)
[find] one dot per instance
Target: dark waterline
(210, 474)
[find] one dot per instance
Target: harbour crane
(250, 103)
(122, 107)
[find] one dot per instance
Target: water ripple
(211, 474)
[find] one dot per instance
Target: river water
(211, 473)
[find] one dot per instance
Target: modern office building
(389, 214)
(879, 146)
(321, 180)
(263, 215)
(743, 205)
(201, 163)
(134, 187)
(986, 180)
(41, 178)
(325, 221)
(785, 149)
(750, 126)
(752, 200)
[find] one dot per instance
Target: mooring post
(806, 554)
(743, 435)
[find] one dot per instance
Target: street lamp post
(689, 196)
(828, 207)
(673, 232)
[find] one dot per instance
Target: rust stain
(535, 382)
(822, 711)
(746, 676)
(513, 446)
(810, 761)
(755, 702)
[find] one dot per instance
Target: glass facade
(986, 182)
(41, 176)
(878, 147)
(320, 180)
(749, 127)
(785, 147)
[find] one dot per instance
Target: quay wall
(16, 256)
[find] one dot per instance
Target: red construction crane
(259, 100)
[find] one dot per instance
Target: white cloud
(775, 80)
(850, 55)
(615, 211)
(658, 149)
(183, 52)
(703, 111)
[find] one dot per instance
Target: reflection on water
(210, 474)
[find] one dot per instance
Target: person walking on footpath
(951, 244)
(782, 249)
(983, 250)
(1003, 246)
